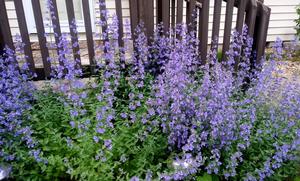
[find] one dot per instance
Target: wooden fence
(253, 13)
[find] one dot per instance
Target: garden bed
(154, 115)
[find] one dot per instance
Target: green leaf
(297, 178)
(205, 177)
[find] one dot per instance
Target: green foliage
(72, 155)
(77, 141)
(263, 148)
(207, 177)
(219, 55)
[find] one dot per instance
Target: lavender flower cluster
(230, 118)
(214, 122)
(15, 96)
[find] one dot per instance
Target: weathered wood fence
(252, 13)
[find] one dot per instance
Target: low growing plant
(158, 114)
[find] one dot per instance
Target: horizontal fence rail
(170, 13)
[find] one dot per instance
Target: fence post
(163, 14)
(251, 16)
(261, 31)
(227, 28)
(73, 32)
(24, 34)
(216, 25)
(89, 33)
(1, 43)
(203, 30)
(37, 13)
(4, 26)
(134, 14)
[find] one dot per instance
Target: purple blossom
(72, 124)
(134, 178)
(15, 97)
(210, 119)
(100, 130)
(96, 139)
(123, 115)
(108, 144)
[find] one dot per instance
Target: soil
(291, 69)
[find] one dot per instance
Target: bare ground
(291, 69)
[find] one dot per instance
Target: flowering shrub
(157, 114)
(15, 98)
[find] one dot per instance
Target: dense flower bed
(157, 114)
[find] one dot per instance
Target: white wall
(281, 23)
(283, 14)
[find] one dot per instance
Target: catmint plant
(15, 98)
(153, 112)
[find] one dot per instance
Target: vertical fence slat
(24, 34)
(73, 30)
(143, 10)
(190, 10)
(179, 14)
(88, 31)
(163, 13)
(150, 21)
(120, 20)
(165, 7)
(1, 43)
(173, 13)
(5, 29)
(261, 30)
(146, 14)
(251, 12)
(56, 26)
(203, 29)
(187, 12)
(41, 36)
(241, 15)
(216, 24)
(159, 11)
(228, 26)
(133, 4)
(239, 25)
